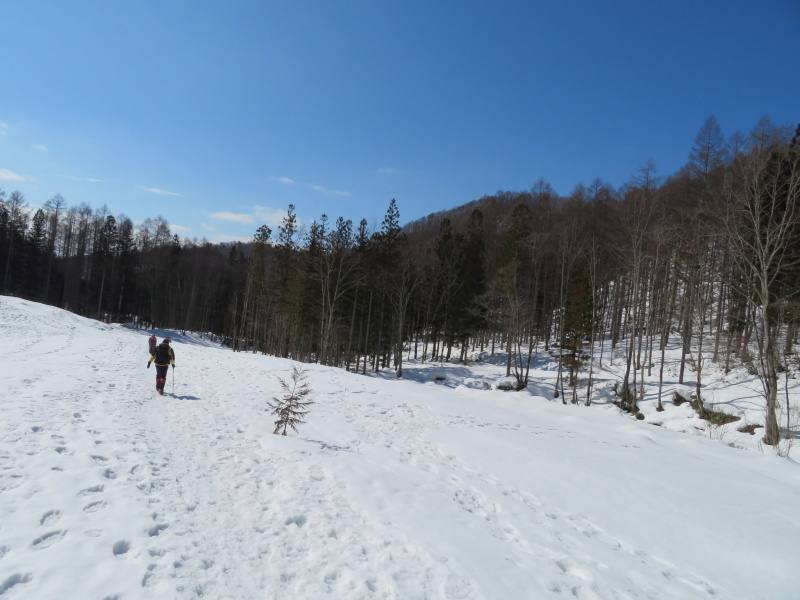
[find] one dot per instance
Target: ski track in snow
(190, 496)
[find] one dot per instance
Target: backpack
(162, 354)
(152, 342)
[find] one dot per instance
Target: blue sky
(218, 115)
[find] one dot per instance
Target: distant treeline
(710, 254)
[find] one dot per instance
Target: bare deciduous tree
(763, 225)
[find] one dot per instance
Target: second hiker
(164, 356)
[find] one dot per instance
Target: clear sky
(218, 115)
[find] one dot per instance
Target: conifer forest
(709, 255)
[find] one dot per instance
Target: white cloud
(209, 227)
(327, 192)
(179, 229)
(158, 191)
(317, 188)
(40, 147)
(83, 179)
(8, 175)
(235, 218)
(3, 128)
(270, 216)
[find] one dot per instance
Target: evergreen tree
(14, 221)
(254, 295)
(292, 407)
(35, 255)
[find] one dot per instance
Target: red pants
(161, 376)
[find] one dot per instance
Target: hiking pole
(173, 380)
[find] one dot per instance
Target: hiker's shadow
(185, 397)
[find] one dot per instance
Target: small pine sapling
(292, 406)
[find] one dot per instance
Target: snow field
(392, 489)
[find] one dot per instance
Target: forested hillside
(711, 253)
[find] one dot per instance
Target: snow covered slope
(392, 489)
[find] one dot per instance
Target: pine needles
(292, 406)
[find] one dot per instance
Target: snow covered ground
(392, 489)
(738, 393)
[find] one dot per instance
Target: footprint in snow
(121, 547)
(332, 577)
(48, 539)
(50, 517)
(15, 579)
(457, 588)
(298, 520)
(91, 490)
(94, 507)
(156, 530)
(568, 567)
